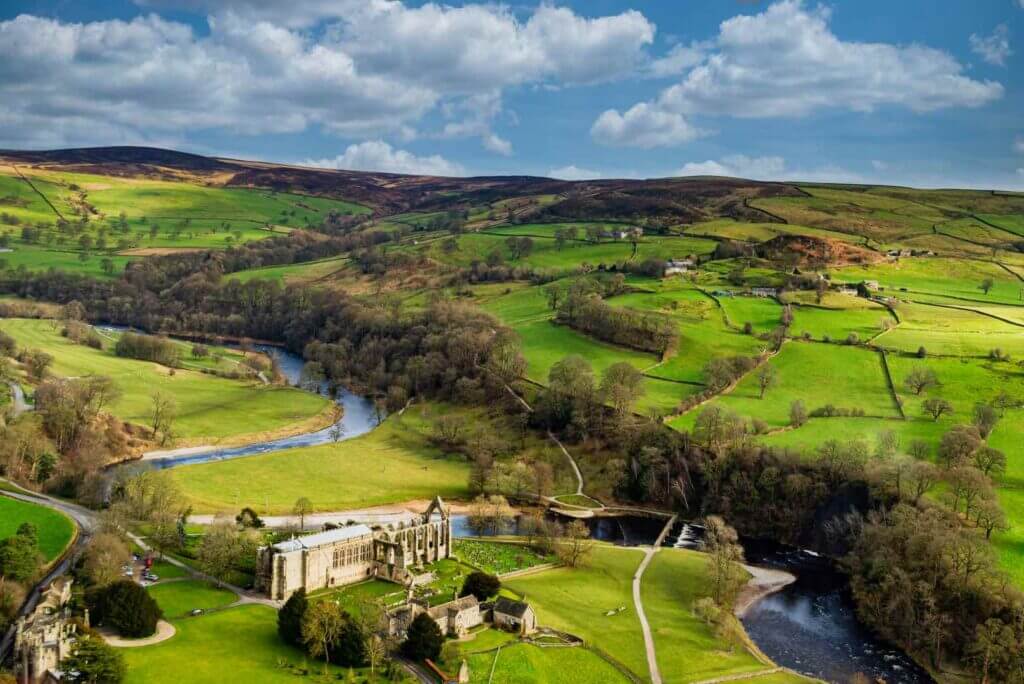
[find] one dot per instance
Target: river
(358, 417)
(810, 625)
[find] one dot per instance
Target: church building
(353, 553)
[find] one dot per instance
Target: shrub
(126, 607)
(290, 617)
(95, 661)
(922, 352)
(853, 339)
(19, 555)
(423, 640)
(481, 585)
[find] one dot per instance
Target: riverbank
(763, 582)
(330, 415)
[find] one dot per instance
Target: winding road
(85, 521)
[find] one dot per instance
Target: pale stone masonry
(45, 637)
(345, 555)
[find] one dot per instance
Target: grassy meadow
(686, 648)
(391, 464)
(55, 529)
(210, 408)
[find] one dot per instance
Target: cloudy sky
(914, 91)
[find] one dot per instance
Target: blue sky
(911, 92)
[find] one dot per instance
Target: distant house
(871, 284)
(514, 616)
(847, 290)
(457, 617)
(676, 266)
(764, 291)
(629, 233)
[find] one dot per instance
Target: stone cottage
(514, 616)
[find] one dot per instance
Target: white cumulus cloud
(643, 125)
(377, 155)
(787, 62)
(356, 68)
(994, 48)
(573, 172)
(759, 168)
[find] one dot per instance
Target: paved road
(652, 658)
(86, 522)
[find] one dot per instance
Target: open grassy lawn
(498, 558)
(210, 408)
(55, 529)
(393, 463)
(179, 598)
(686, 647)
(576, 600)
(522, 663)
(238, 644)
(818, 374)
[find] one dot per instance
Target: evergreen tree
(289, 618)
(481, 585)
(95, 662)
(126, 607)
(423, 640)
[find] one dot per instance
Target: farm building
(514, 616)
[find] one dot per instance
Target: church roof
(311, 541)
(507, 606)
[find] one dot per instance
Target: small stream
(810, 625)
(358, 417)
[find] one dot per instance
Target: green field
(521, 663)
(546, 254)
(951, 331)
(817, 374)
(179, 598)
(55, 529)
(39, 258)
(240, 644)
(159, 215)
(949, 277)
(762, 313)
(292, 273)
(210, 408)
(576, 600)
(686, 648)
(393, 463)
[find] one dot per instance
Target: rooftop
(320, 538)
